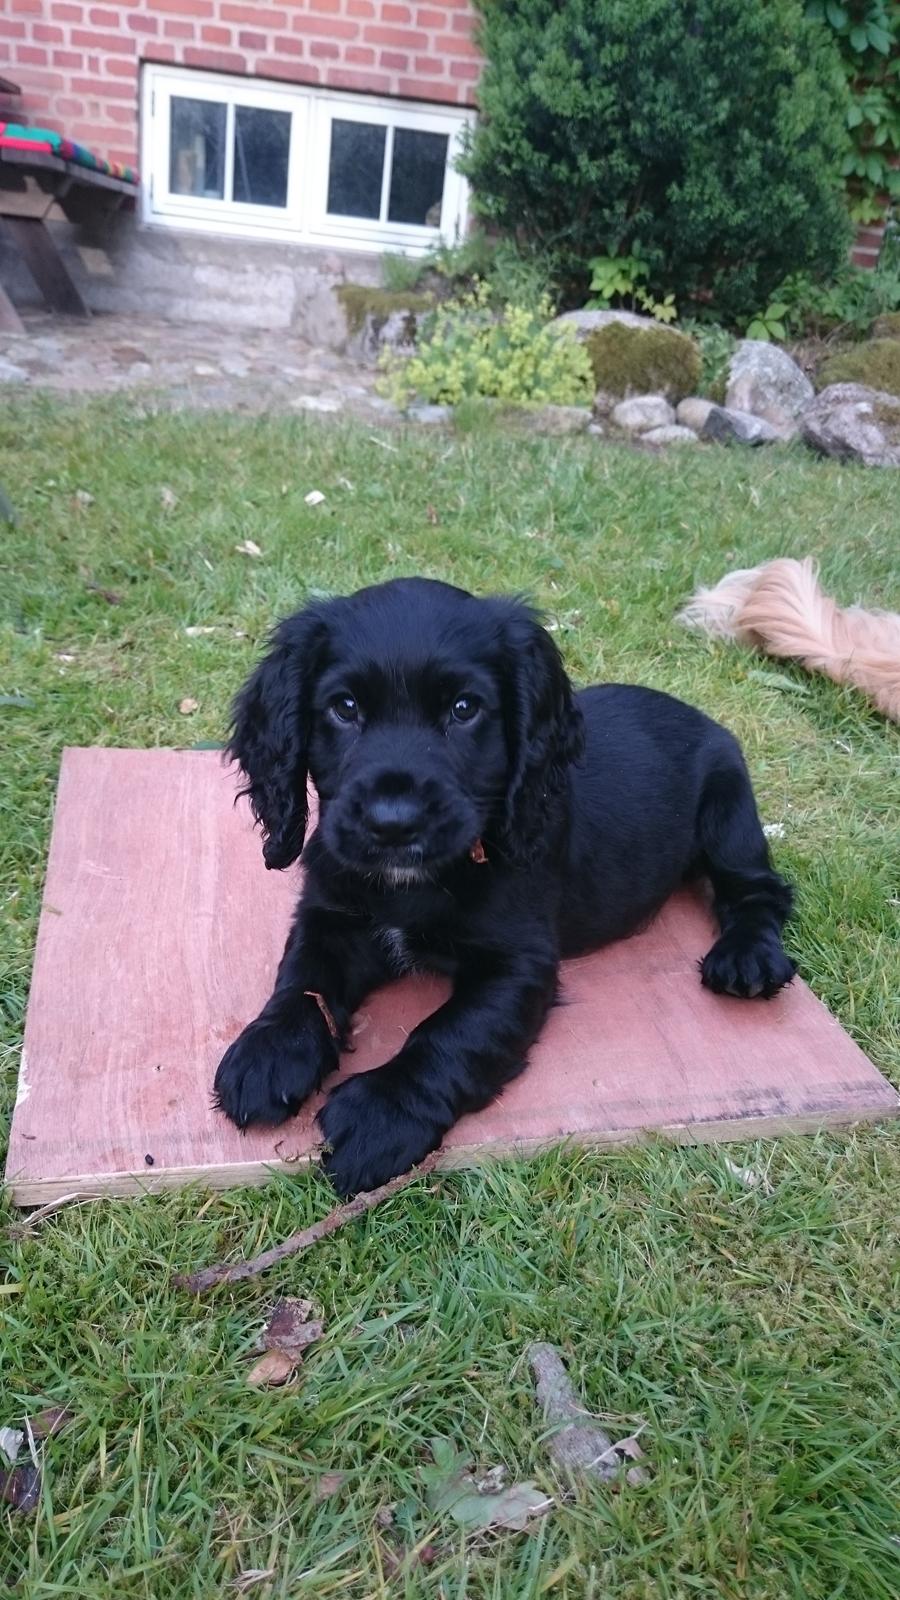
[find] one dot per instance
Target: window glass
(197, 148)
(262, 146)
(417, 177)
(356, 168)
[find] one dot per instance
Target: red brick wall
(78, 62)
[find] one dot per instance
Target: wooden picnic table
(32, 185)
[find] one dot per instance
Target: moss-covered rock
(887, 327)
(634, 361)
(361, 300)
(875, 363)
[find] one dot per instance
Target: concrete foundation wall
(122, 267)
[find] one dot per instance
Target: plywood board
(159, 939)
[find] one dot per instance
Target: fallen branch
(208, 1277)
(579, 1446)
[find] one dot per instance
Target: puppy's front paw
(747, 964)
(272, 1067)
(373, 1131)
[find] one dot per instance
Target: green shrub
(853, 300)
(868, 38)
(706, 134)
(876, 364)
(469, 349)
(628, 360)
(716, 346)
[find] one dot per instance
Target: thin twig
(208, 1277)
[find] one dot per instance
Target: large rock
(587, 322)
(670, 435)
(632, 355)
(10, 373)
(693, 412)
(644, 412)
(764, 381)
(738, 427)
(853, 423)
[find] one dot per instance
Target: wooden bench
(34, 185)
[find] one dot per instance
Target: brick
(67, 107)
(360, 8)
(287, 71)
(68, 58)
(39, 78)
(403, 38)
(453, 44)
(359, 55)
(156, 50)
(463, 22)
(364, 82)
(430, 66)
(465, 71)
(185, 8)
(328, 7)
(394, 60)
(64, 12)
(211, 34)
(392, 13)
(285, 44)
(415, 89)
(118, 67)
(214, 60)
(252, 41)
(325, 27)
(324, 50)
(11, 30)
(179, 30)
(117, 44)
(47, 35)
(253, 16)
(111, 89)
(32, 8)
(32, 55)
(124, 115)
(101, 17)
(426, 18)
(138, 23)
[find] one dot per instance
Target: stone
(315, 402)
(649, 359)
(670, 435)
(605, 403)
(587, 322)
(10, 373)
(433, 415)
(693, 412)
(643, 412)
(853, 423)
(727, 426)
(766, 382)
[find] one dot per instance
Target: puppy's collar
(478, 854)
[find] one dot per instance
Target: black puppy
(476, 818)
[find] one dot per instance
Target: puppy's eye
(465, 707)
(344, 707)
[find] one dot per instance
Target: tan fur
(779, 607)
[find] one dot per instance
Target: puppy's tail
(779, 607)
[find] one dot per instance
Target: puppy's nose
(394, 819)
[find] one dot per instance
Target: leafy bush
(876, 364)
(851, 301)
(618, 280)
(627, 361)
(514, 275)
(469, 349)
(868, 37)
(716, 346)
(707, 132)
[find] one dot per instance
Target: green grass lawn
(754, 1333)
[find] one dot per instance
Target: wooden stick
(208, 1277)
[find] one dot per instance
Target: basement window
(242, 156)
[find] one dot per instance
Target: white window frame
(304, 219)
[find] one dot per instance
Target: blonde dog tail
(780, 608)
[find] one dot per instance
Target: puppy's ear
(546, 730)
(270, 732)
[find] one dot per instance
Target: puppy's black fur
(436, 728)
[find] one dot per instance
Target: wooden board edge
(25, 1192)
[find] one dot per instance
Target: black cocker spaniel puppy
(476, 818)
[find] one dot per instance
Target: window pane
(262, 142)
(197, 150)
(355, 169)
(417, 177)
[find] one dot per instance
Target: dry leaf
(187, 706)
(195, 632)
(272, 1370)
(432, 516)
(248, 547)
(289, 1327)
(50, 1421)
(748, 1176)
(330, 1483)
(253, 1575)
(11, 1441)
(83, 499)
(314, 498)
(168, 498)
(21, 1488)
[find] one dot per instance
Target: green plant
(516, 354)
(711, 131)
(716, 345)
(868, 37)
(619, 279)
(627, 360)
(876, 363)
(400, 273)
(850, 303)
(769, 324)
